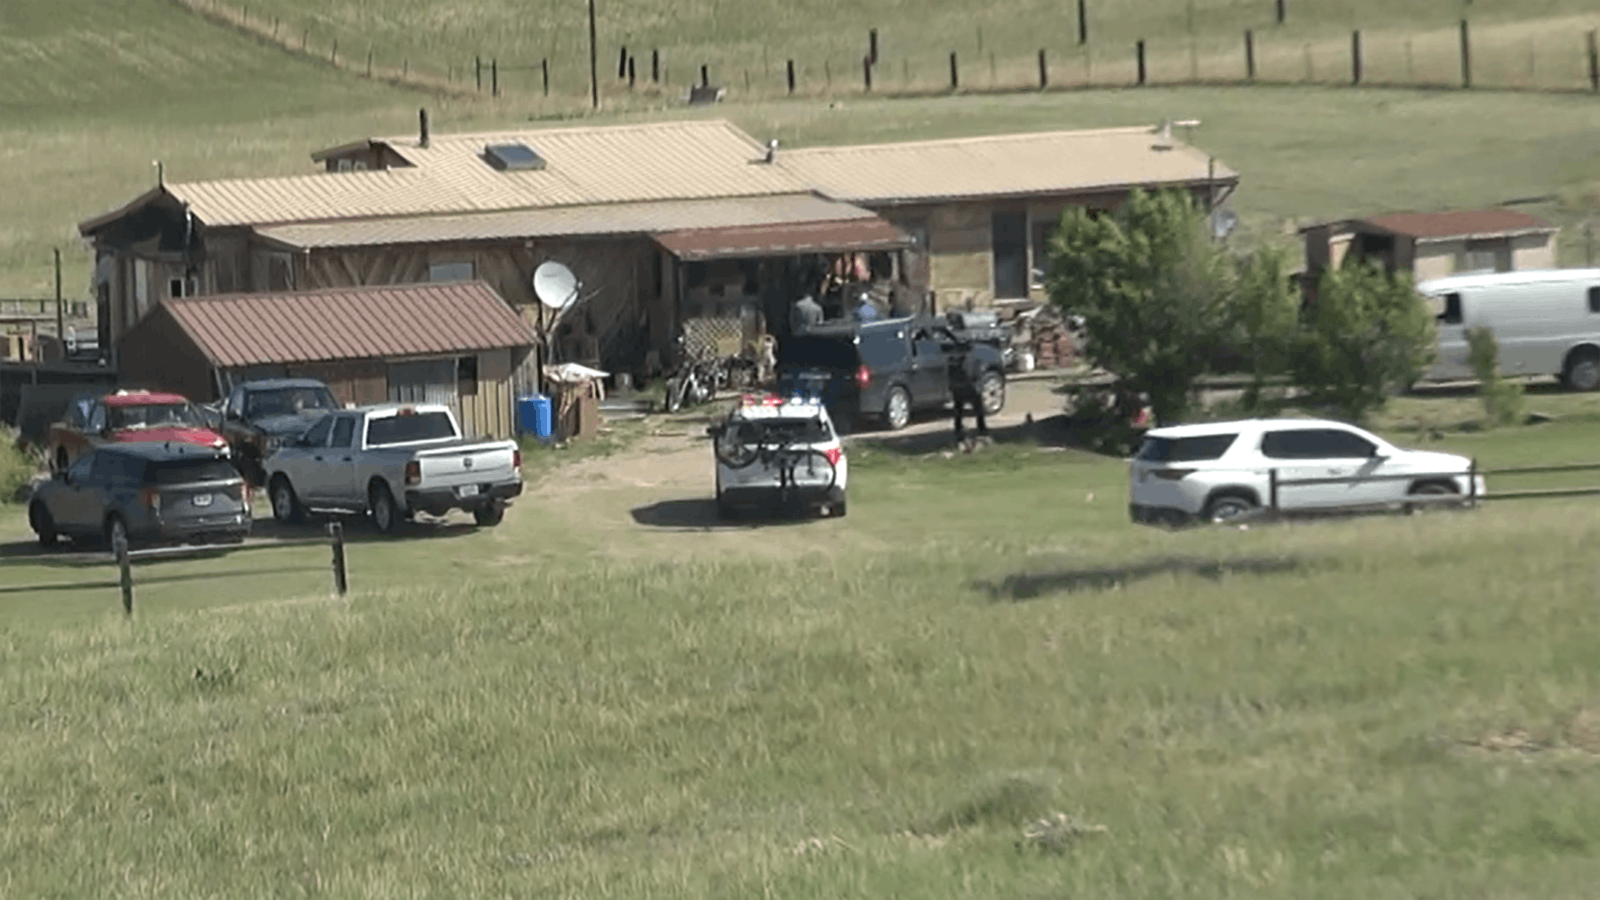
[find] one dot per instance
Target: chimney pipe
(422, 116)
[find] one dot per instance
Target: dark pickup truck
(258, 417)
(887, 370)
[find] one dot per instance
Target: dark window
(318, 435)
(780, 431)
(1316, 443)
(694, 274)
(431, 381)
(467, 376)
(79, 470)
(1594, 299)
(1010, 239)
(179, 471)
(344, 431)
(1452, 309)
(1042, 231)
(882, 348)
(175, 287)
(288, 401)
(1190, 449)
(403, 429)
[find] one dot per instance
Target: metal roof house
(667, 225)
(1436, 244)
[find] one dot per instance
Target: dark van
(885, 371)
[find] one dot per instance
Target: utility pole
(594, 63)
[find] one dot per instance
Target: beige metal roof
(602, 219)
(591, 165)
(1002, 165)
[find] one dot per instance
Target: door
(306, 464)
(339, 463)
(1451, 362)
(1321, 454)
(74, 507)
(1010, 240)
(930, 376)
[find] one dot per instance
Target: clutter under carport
(575, 392)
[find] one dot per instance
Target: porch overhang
(856, 235)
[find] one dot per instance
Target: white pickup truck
(393, 461)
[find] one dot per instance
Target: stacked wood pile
(1043, 330)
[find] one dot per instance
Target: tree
(1501, 396)
(1152, 289)
(1265, 312)
(1367, 336)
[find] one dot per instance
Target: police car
(779, 454)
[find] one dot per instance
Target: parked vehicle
(145, 492)
(258, 417)
(393, 461)
(1546, 322)
(888, 370)
(94, 420)
(1222, 470)
(778, 454)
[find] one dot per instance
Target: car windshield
(406, 428)
(771, 432)
(288, 401)
(154, 415)
(1187, 449)
(181, 471)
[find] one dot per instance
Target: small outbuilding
(1433, 245)
(455, 343)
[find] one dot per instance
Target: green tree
(1501, 396)
(1265, 315)
(1368, 335)
(1152, 289)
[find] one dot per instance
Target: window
(318, 435)
(1190, 449)
(1042, 230)
(1452, 310)
(457, 271)
(1485, 256)
(344, 431)
(1594, 299)
(784, 431)
(235, 408)
(345, 165)
(1316, 443)
(429, 381)
(404, 429)
(280, 273)
(175, 287)
(467, 376)
(179, 471)
(1010, 244)
(79, 472)
(97, 418)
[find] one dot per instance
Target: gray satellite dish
(555, 285)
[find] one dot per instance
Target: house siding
(158, 354)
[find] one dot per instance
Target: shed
(455, 343)
(1436, 244)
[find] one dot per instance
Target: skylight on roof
(513, 157)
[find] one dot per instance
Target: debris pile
(1044, 331)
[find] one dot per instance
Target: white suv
(777, 453)
(1222, 470)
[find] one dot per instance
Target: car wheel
(897, 409)
(1429, 489)
(285, 503)
(116, 532)
(1582, 372)
(992, 392)
(42, 524)
(384, 514)
(1227, 507)
(489, 515)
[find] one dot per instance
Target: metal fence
(1275, 484)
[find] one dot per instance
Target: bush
(1502, 397)
(1367, 336)
(17, 468)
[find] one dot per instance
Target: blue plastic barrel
(535, 415)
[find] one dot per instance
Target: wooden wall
(157, 354)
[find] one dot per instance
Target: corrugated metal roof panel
(1460, 223)
(621, 218)
(350, 323)
(785, 239)
(1001, 165)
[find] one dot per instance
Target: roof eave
(1483, 235)
(88, 227)
(1230, 180)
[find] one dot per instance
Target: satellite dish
(555, 285)
(1223, 221)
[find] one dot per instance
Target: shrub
(17, 468)
(1501, 396)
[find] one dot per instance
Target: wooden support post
(341, 582)
(1044, 71)
(655, 66)
(1083, 22)
(872, 46)
(1139, 51)
(790, 72)
(1472, 482)
(544, 74)
(477, 70)
(866, 73)
(1272, 490)
(494, 77)
(1466, 55)
(1594, 62)
(1355, 57)
(705, 75)
(622, 63)
(630, 73)
(1249, 55)
(119, 546)
(955, 72)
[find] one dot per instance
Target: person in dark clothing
(965, 376)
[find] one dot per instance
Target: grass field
(871, 707)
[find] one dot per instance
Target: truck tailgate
(484, 463)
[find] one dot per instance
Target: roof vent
(513, 157)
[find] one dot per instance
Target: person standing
(965, 376)
(806, 314)
(865, 311)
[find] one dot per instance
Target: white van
(1546, 321)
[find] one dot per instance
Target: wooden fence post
(125, 565)
(955, 73)
(866, 72)
(622, 63)
(1594, 62)
(655, 65)
(1044, 71)
(1472, 482)
(1249, 55)
(1272, 489)
(334, 56)
(544, 74)
(1139, 52)
(630, 73)
(1083, 22)
(1281, 11)
(790, 73)
(1466, 55)
(705, 75)
(477, 70)
(369, 63)
(872, 45)
(341, 583)
(494, 77)
(1355, 57)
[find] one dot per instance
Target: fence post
(544, 74)
(1044, 71)
(341, 583)
(872, 45)
(477, 70)
(334, 56)
(125, 564)
(305, 36)
(866, 72)
(494, 77)
(1139, 51)
(369, 63)
(655, 65)
(1472, 481)
(1594, 62)
(705, 75)
(1272, 490)
(1466, 55)
(955, 73)
(790, 73)
(622, 62)
(1281, 11)
(630, 73)
(1249, 55)
(1355, 57)
(1083, 22)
